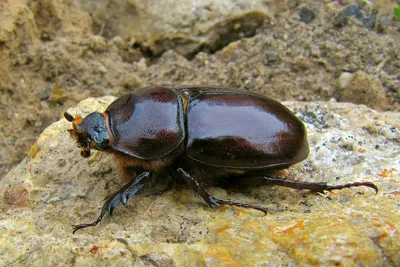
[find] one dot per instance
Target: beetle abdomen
(238, 130)
(148, 123)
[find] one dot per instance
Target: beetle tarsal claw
(126, 192)
(356, 184)
(84, 225)
(121, 196)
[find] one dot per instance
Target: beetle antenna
(68, 117)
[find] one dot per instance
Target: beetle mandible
(203, 135)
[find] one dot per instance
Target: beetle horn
(68, 116)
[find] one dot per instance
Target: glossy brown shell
(238, 130)
(148, 123)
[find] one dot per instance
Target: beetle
(203, 135)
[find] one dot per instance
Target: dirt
(53, 54)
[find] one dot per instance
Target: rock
(187, 28)
(344, 79)
(57, 18)
(307, 14)
(360, 12)
(302, 64)
(97, 43)
(383, 23)
(362, 88)
(54, 188)
(272, 56)
(24, 27)
(18, 32)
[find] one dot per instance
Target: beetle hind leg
(317, 186)
(121, 196)
(210, 200)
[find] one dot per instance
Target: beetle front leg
(210, 200)
(121, 196)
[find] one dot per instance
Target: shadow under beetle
(203, 135)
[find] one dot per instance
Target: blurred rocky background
(54, 53)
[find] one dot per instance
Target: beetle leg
(318, 187)
(121, 196)
(210, 200)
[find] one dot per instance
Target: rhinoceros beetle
(203, 135)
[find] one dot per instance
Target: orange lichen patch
(393, 193)
(382, 237)
(96, 248)
(15, 197)
(343, 224)
(219, 256)
(226, 259)
(387, 229)
(290, 230)
(242, 211)
(255, 226)
(223, 208)
(387, 173)
(34, 150)
(361, 150)
(289, 234)
(380, 223)
(325, 241)
(198, 254)
(222, 229)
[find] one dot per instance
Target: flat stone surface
(54, 187)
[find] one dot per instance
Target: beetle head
(89, 132)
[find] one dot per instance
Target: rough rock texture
(54, 187)
(25, 27)
(363, 89)
(187, 27)
(53, 54)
